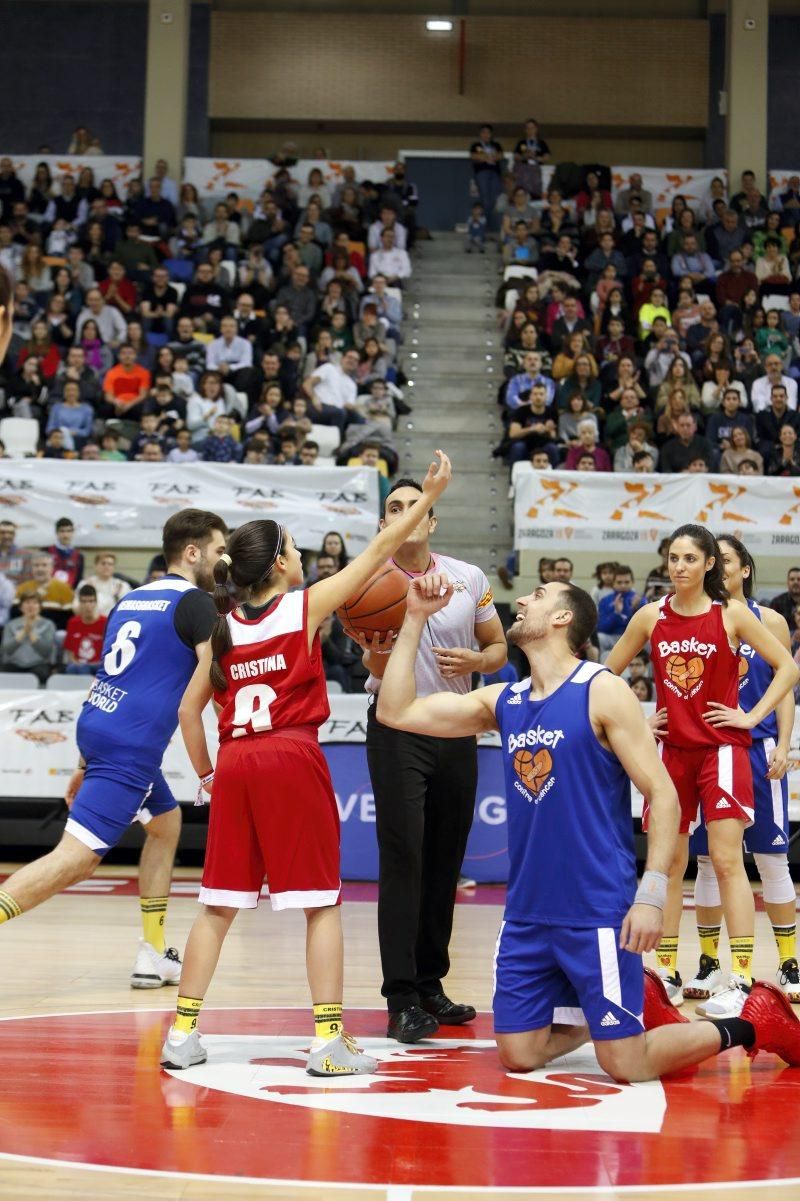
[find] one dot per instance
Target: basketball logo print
(684, 672)
(533, 770)
(744, 666)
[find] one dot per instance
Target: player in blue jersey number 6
(568, 965)
(152, 643)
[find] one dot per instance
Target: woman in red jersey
(694, 635)
(274, 811)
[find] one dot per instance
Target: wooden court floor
(82, 1098)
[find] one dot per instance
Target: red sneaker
(776, 1024)
(658, 1009)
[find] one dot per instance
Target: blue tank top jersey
(132, 707)
(570, 831)
(755, 677)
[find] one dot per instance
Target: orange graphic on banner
(788, 517)
(640, 494)
(552, 492)
(724, 495)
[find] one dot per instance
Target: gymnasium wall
(65, 63)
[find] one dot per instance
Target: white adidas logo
(516, 699)
(723, 804)
(778, 840)
(609, 1020)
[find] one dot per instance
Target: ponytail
(704, 540)
(253, 550)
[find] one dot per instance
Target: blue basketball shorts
(769, 833)
(106, 805)
(567, 976)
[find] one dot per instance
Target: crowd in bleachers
(637, 339)
(158, 326)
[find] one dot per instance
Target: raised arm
(326, 596)
(444, 714)
(618, 719)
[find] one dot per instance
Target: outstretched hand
(438, 477)
(427, 594)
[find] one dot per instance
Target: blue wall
(65, 63)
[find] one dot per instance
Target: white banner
(37, 730)
(117, 167)
(664, 183)
(249, 176)
(607, 511)
(112, 504)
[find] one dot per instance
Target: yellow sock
(186, 1014)
(154, 914)
(742, 956)
(785, 937)
(667, 955)
(8, 907)
(327, 1020)
(709, 941)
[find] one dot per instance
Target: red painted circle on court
(87, 1089)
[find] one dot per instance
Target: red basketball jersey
(693, 664)
(273, 682)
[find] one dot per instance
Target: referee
(424, 788)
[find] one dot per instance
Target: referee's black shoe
(411, 1024)
(447, 1012)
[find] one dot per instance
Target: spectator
(12, 190)
(73, 417)
(476, 231)
(786, 602)
(637, 454)
(772, 268)
(660, 357)
(231, 355)
(693, 263)
(7, 595)
(117, 290)
(614, 611)
(740, 449)
(152, 451)
(685, 446)
(628, 412)
(159, 305)
(205, 301)
(730, 414)
(726, 235)
(147, 433)
(183, 451)
(222, 232)
(604, 575)
(761, 391)
(635, 190)
(83, 644)
(771, 338)
(67, 561)
(527, 379)
(587, 447)
(109, 320)
(220, 446)
(643, 689)
(29, 641)
(127, 385)
(533, 428)
(770, 420)
(299, 298)
(15, 563)
(487, 168)
(333, 392)
(109, 448)
(390, 261)
(785, 457)
(109, 588)
(55, 595)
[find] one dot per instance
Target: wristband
(202, 795)
(652, 890)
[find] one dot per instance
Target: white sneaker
(152, 969)
(673, 985)
(727, 1003)
(182, 1050)
(709, 980)
(788, 978)
(340, 1056)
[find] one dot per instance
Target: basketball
(380, 606)
(523, 762)
(533, 769)
(684, 672)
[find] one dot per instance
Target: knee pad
(706, 888)
(775, 877)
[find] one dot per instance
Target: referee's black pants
(424, 791)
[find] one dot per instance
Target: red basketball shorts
(273, 815)
(714, 780)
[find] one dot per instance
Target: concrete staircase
(453, 355)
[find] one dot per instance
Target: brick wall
(333, 67)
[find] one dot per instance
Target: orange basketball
(684, 672)
(523, 765)
(533, 770)
(378, 607)
(744, 666)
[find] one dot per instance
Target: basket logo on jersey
(684, 672)
(533, 769)
(746, 653)
(454, 1083)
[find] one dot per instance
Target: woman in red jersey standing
(274, 811)
(694, 635)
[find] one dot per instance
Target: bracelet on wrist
(202, 795)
